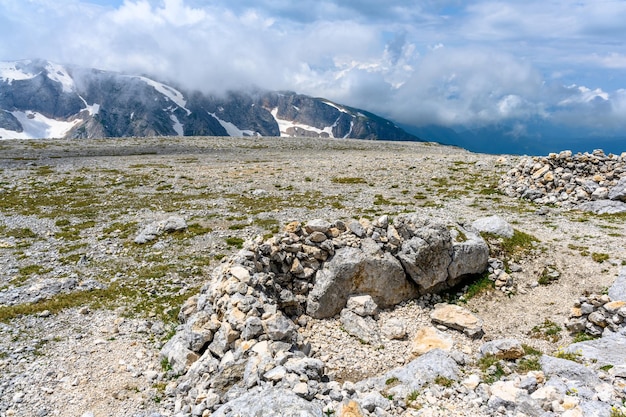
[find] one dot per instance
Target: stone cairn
(241, 331)
(570, 180)
(594, 313)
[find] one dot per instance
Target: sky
(448, 62)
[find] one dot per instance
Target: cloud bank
(417, 62)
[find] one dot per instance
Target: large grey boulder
(426, 256)
(469, 256)
(618, 192)
(365, 270)
(495, 225)
(155, 229)
(413, 376)
(272, 402)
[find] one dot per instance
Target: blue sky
(457, 63)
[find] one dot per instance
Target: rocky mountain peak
(41, 99)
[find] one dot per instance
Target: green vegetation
(548, 275)
(600, 257)
(530, 361)
(443, 381)
(548, 330)
(165, 365)
(492, 368)
(583, 337)
(392, 381)
(529, 350)
(27, 271)
(235, 241)
(480, 286)
(411, 398)
(348, 180)
(570, 356)
(21, 233)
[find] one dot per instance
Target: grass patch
(530, 362)
(443, 381)
(570, 356)
(379, 200)
(529, 350)
(348, 180)
(235, 241)
(600, 257)
(21, 233)
(120, 230)
(548, 330)
(196, 229)
(411, 398)
(548, 275)
(583, 337)
(392, 381)
(491, 367)
(480, 286)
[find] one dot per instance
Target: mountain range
(41, 99)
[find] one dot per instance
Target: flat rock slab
(458, 318)
(610, 349)
(570, 371)
(272, 402)
(617, 291)
(413, 376)
(429, 338)
(604, 207)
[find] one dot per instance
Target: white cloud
(419, 62)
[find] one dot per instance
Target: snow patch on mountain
(233, 130)
(59, 74)
(178, 126)
(12, 71)
(38, 126)
(341, 109)
(169, 92)
(286, 125)
(93, 109)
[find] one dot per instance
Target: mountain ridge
(41, 99)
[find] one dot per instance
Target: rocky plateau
(220, 276)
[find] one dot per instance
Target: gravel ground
(71, 209)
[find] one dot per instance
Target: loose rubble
(241, 342)
(593, 182)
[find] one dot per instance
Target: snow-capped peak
(16, 70)
(59, 74)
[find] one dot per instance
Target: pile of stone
(594, 182)
(241, 352)
(594, 313)
(242, 330)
